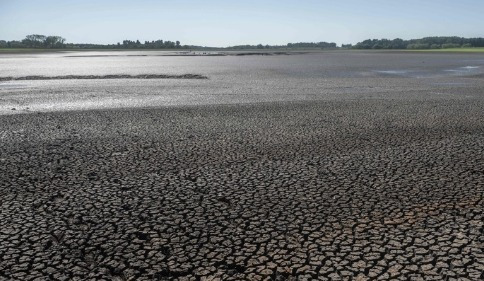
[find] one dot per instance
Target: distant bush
(3, 44)
(435, 46)
(468, 45)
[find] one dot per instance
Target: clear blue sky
(226, 22)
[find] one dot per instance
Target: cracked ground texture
(328, 190)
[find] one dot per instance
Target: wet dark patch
(267, 53)
(102, 56)
(118, 76)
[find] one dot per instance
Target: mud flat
(270, 191)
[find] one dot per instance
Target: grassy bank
(452, 50)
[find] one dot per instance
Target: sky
(222, 23)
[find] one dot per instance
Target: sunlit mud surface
(330, 166)
(232, 79)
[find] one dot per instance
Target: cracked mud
(290, 191)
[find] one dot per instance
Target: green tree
(34, 40)
(54, 42)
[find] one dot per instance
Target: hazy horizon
(219, 24)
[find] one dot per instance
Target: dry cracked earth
(352, 190)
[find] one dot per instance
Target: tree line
(43, 41)
(35, 41)
(423, 43)
(301, 45)
(158, 44)
(58, 42)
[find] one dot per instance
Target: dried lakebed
(329, 166)
(288, 191)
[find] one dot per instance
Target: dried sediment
(302, 191)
